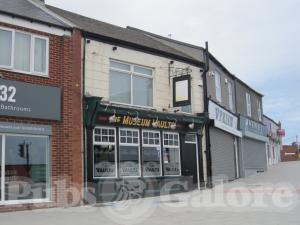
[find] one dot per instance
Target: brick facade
(66, 142)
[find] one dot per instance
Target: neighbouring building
(290, 152)
(139, 135)
(252, 147)
(274, 144)
(40, 107)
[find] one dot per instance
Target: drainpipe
(84, 115)
(207, 125)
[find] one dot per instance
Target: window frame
(32, 55)
(150, 145)
(105, 143)
(12, 48)
(259, 110)
(48, 167)
(172, 146)
(230, 95)
(131, 73)
(248, 104)
(130, 144)
(218, 86)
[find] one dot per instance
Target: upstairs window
(130, 84)
(259, 111)
(230, 96)
(23, 52)
(218, 87)
(248, 102)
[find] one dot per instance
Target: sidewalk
(267, 198)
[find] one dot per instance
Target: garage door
(223, 154)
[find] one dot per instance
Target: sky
(257, 40)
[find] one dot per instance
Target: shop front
(26, 120)
(224, 135)
(137, 153)
(253, 158)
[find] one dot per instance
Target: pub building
(146, 152)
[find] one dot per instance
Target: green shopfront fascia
(132, 153)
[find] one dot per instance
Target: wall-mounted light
(112, 119)
(115, 48)
(88, 41)
(226, 81)
(192, 126)
(174, 125)
(155, 123)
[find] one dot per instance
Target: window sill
(24, 72)
(131, 106)
(20, 202)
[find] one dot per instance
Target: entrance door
(189, 158)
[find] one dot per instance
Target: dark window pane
(151, 161)
(171, 161)
(104, 132)
(104, 139)
(111, 139)
(104, 161)
(129, 161)
(123, 140)
(26, 168)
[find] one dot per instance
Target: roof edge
(35, 20)
(141, 47)
(272, 120)
(53, 14)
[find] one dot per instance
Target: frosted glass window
(142, 91)
(5, 47)
(22, 52)
(120, 87)
(40, 55)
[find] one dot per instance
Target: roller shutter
(254, 155)
(223, 154)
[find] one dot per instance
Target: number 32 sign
(7, 93)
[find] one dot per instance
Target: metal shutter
(223, 154)
(254, 155)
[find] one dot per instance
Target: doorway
(189, 156)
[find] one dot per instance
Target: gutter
(134, 46)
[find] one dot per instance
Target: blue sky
(257, 40)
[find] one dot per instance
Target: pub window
(105, 152)
(129, 151)
(171, 152)
(25, 176)
(24, 52)
(151, 151)
(130, 84)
